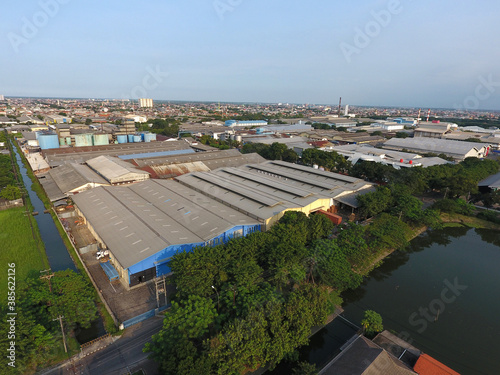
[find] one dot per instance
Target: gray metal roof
(264, 190)
(139, 220)
(49, 185)
(436, 145)
(74, 176)
(116, 170)
(492, 181)
(80, 155)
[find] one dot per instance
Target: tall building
(145, 103)
(2, 97)
(346, 110)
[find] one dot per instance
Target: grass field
(18, 246)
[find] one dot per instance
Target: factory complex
(144, 224)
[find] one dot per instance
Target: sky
(406, 53)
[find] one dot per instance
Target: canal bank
(56, 249)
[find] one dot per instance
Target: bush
(458, 206)
(490, 216)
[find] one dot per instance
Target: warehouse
(69, 179)
(176, 165)
(117, 171)
(144, 224)
(265, 191)
(456, 149)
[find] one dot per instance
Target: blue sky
(394, 53)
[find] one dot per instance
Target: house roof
(364, 357)
(426, 365)
(491, 181)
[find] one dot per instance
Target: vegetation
(275, 151)
(222, 145)
(372, 323)
(254, 300)
(19, 247)
(168, 126)
(38, 302)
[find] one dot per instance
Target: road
(121, 357)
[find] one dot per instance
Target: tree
(329, 265)
(372, 322)
(71, 296)
(88, 121)
(10, 193)
(305, 368)
(185, 327)
(402, 135)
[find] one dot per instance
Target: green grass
(19, 247)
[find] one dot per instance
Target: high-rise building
(2, 97)
(145, 103)
(346, 110)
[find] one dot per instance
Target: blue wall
(161, 258)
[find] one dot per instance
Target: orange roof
(426, 365)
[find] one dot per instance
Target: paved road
(121, 357)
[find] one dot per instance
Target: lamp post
(213, 287)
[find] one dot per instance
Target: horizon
(167, 101)
(407, 54)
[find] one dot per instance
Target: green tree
(372, 322)
(88, 121)
(185, 327)
(10, 193)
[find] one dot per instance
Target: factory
(456, 149)
(143, 224)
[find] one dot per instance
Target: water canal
(57, 254)
(454, 271)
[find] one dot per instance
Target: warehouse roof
(74, 176)
(80, 155)
(137, 221)
(435, 145)
(266, 189)
(116, 170)
(493, 181)
(49, 185)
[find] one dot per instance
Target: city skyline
(373, 53)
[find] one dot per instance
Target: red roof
(426, 365)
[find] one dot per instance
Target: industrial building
(433, 129)
(232, 123)
(116, 171)
(265, 191)
(490, 184)
(455, 149)
(144, 224)
(176, 165)
(397, 159)
(69, 179)
(80, 155)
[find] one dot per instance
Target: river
(57, 253)
(454, 271)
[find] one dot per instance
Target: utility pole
(161, 288)
(213, 287)
(60, 318)
(48, 277)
